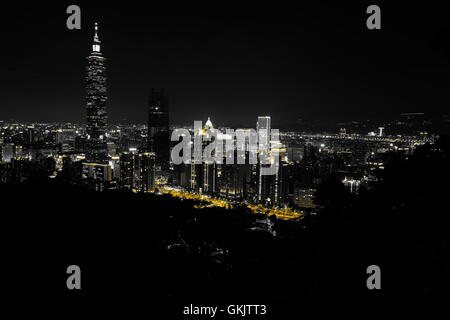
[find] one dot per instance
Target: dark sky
(228, 60)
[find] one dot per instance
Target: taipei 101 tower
(96, 104)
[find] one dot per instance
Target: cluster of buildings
(137, 157)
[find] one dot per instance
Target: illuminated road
(285, 214)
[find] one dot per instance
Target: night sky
(230, 61)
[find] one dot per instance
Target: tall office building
(127, 164)
(137, 171)
(158, 137)
(146, 171)
(263, 130)
(8, 152)
(96, 103)
(97, 171)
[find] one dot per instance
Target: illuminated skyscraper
(146, 171)
(263, 129)
(96, 103)
(127, 165)
(137, 171)
(8, 152)
(158, 129)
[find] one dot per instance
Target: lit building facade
(8, 152)
(263, 130)
(96, 104)
(137, 171)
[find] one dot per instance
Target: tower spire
(96, 32)
(96, 45)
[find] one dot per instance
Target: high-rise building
(158, 137)
(202, 173)
(8, 152)
(137, 171)
(96, 104)
(146, 171)
(127, 170)
(263, 130)
(97, 171)
(31, 134)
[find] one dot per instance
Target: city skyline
(218, 64)
(228, 153)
